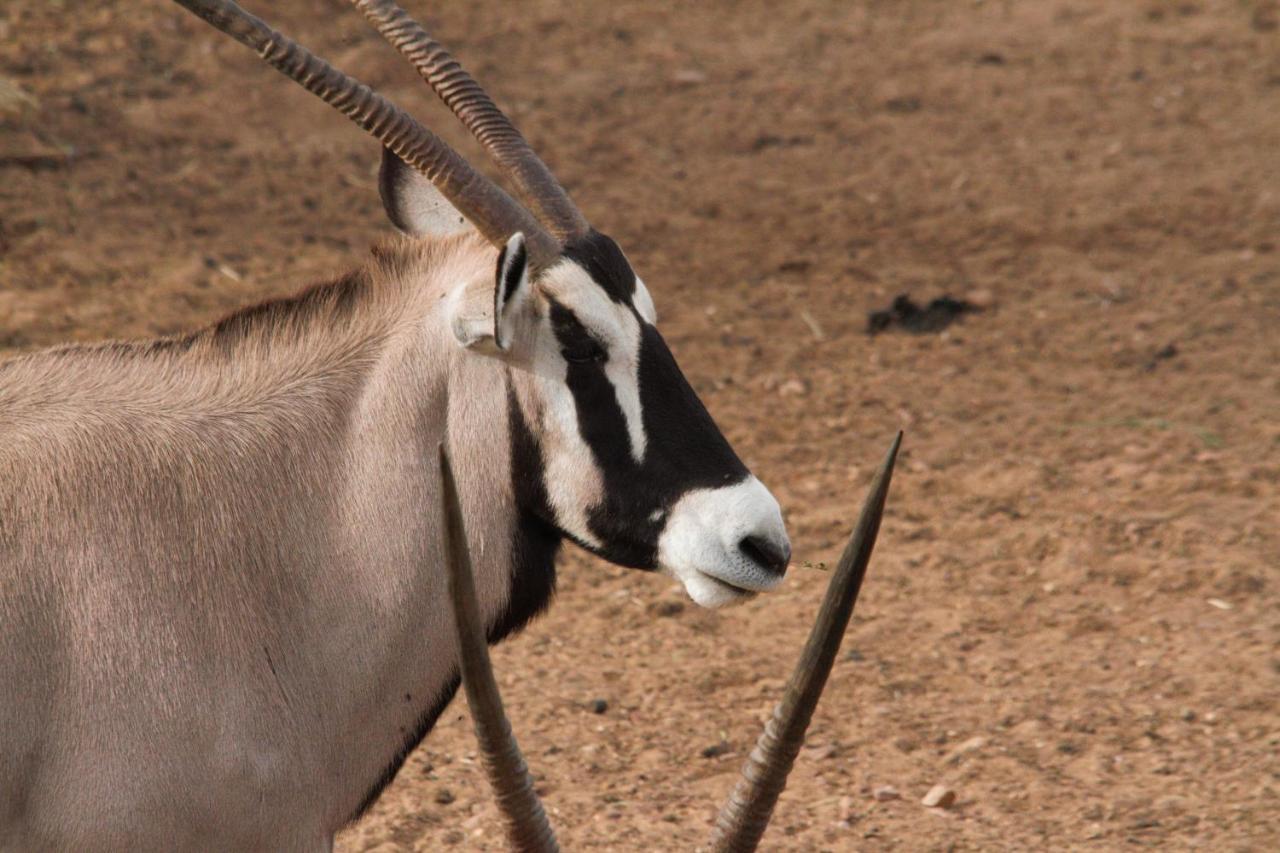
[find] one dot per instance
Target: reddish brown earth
(1080, 562)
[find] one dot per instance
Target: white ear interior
(413, 203)
(511, 289)
(485, 312)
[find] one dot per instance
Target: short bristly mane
(252, 355)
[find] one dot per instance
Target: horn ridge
(494, 213)
(465, 97)
(746, 813)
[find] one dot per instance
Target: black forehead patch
(604, 262)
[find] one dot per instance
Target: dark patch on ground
(1165, 353)
(905, 314)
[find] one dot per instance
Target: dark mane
(331, 301)
(332, 304)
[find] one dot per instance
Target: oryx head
(631, 466)
(628, 462)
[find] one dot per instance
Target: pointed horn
(492, 211)
(527, 825)
(746, 813)
(535, 184)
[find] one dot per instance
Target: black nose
(767, 554)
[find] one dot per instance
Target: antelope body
(223, 620)
(212, 591)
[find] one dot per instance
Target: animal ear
(413, 203)
(510, 290)
(488, 315)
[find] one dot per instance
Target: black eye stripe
(585, 352)
(576, 343)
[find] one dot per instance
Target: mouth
(712, 592)
(740, 593)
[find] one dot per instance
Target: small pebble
(980, 298)
(885, 793)
(715, 750)
(973, 744)
(845, 812)
(688, 77)
(792, 388)
(599, 706)
(819, 753)
(939, 797)
(444, 796)
(667, 608)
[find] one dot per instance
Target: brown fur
(219, 560)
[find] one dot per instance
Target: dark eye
(583, 351)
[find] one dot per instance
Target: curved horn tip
(746, 814)
(891, 457)
(893, 448)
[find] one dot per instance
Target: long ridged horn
(494, 213)
(459, 91)
(746, 813)
(527, 825)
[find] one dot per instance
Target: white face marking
(624, 374)
(617, 329)
(704, 533)
(573, 481)
(699, 545)
(644, 303)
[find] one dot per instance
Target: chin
(713, 593)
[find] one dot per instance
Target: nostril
(766, 553)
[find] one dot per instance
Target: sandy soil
(1079, 568)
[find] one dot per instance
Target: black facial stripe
(573, 337)
(605, 263)
(535, 540)
(600, 418)
(685, 448)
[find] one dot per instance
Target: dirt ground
(1073, 617)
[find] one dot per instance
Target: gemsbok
(224, 616)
